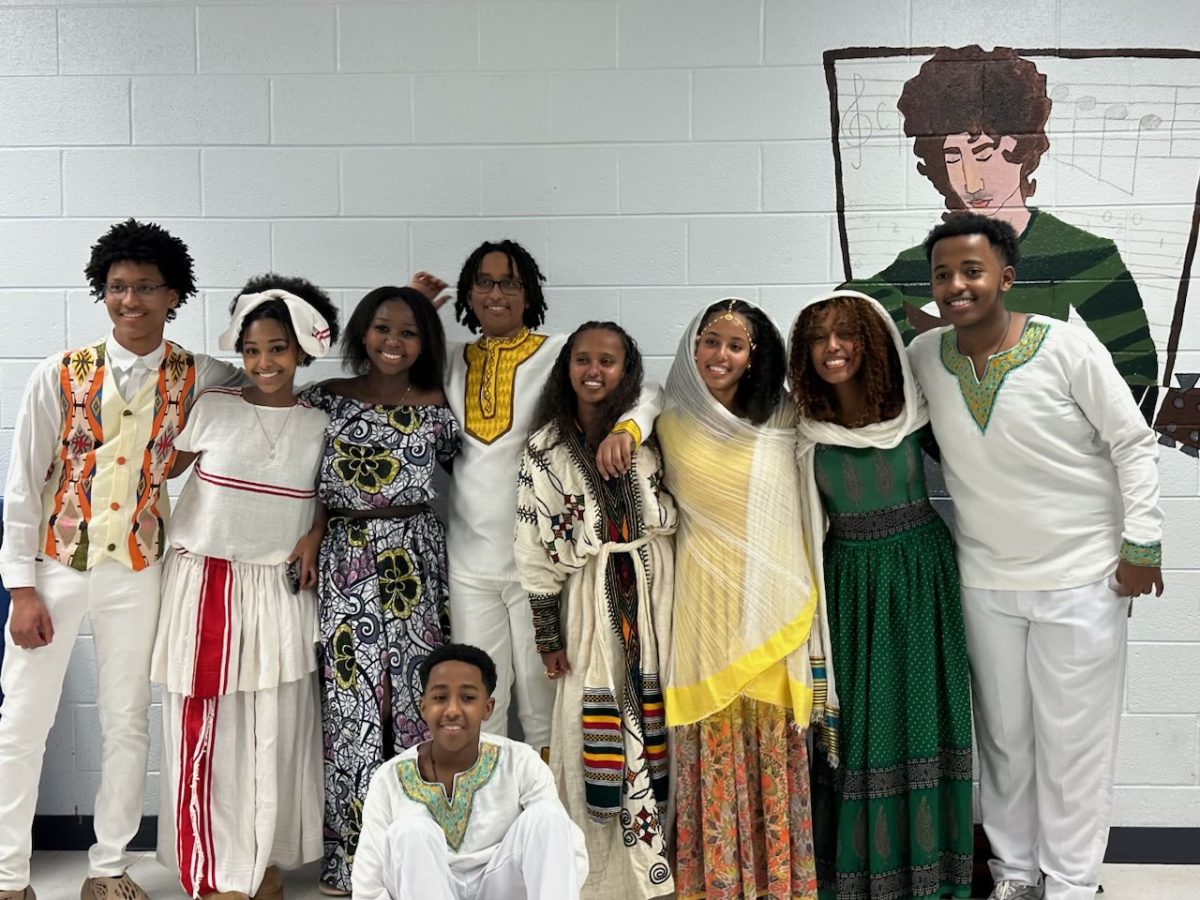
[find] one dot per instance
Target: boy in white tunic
(84, 531)
(466, 816)
(1054, 478)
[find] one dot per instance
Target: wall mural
(1092, 155)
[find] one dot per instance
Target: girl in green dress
(892, 814)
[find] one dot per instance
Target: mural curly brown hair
(881, 375)
(969, 90)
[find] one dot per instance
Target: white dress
(241, 767)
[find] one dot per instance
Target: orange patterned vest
(115, 454)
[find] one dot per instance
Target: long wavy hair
(558, 403)
(881, 376)
(761, 386)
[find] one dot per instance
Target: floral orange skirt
(744, 813)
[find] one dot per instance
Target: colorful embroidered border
(452, 816)
(1142, 554)
(980, 396)
(603, 754)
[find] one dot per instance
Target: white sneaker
(1015, 890)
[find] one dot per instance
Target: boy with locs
(1054, 478)
(465, 815)
(84, 519)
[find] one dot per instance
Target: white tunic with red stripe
(235, 650)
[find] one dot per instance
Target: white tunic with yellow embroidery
(493, 386)
(1051, 467)
(507, 778)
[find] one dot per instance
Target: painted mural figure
(978, 119)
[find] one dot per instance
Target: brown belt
(383, 512)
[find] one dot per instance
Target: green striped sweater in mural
(1061, 267)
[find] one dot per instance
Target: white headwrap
(312, 331)
(744, 591)
(810, 433)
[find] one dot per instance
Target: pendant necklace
(271, 443)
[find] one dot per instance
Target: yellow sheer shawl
(744, 591)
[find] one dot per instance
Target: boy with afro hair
(84, 522)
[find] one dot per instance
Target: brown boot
(271, 887)
(26, 893)
(120, 888)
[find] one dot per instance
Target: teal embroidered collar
(452, 815)
(980, 396)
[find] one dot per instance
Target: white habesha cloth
(312, 331)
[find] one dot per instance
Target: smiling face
(835, 350)
(970, 279)
(501, 313)
(723, 354)
(392, 341)
(270, 356)
(137, 313)
(597, 366)
(981, 175)
(454, 705)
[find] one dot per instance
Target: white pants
(241, 786)
(123, 608)
(495, 616)
(1048, 668)
(536, 861)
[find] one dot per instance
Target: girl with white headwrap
(894, 819)
(742, 685)
(241, 762)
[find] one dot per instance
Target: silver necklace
(271, 443)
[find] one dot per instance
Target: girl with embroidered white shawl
(894, 819)
(740, 684)
(595, 557)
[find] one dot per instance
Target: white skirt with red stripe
(230, 626)
(241, 777)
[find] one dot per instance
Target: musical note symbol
(856, 128)
(1114, 112)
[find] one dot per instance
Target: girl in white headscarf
(895, 818)
(241, 760)
(740, 683)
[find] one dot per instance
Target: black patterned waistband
(881, 523)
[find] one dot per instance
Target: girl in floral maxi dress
(741, 682)
(595, 555)
(382, 590)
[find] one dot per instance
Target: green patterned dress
(894, 821)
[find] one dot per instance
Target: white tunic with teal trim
(507, 778)
(1052, 469)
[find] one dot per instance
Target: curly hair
(142, 242)
(429, 367)
(880, 374)
(761, 386)
(1000, 234)
(969, 90)
(464, 653)
(277, 309)
(521, 264)
(558, 401)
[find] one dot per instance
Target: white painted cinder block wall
(654, 156)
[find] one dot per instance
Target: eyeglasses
(119, 289)
(510, 286)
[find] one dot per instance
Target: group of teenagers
(740, 641)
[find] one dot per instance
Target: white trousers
(1048, 669)
(123, 608)
(537, 860)
(495, 616)
(241, 786)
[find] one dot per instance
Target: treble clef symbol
(856, 127)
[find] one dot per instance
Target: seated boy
(1054, 477)
(465, 816)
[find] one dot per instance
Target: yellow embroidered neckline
(452, 815)
(492, 365)
(980, 394)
